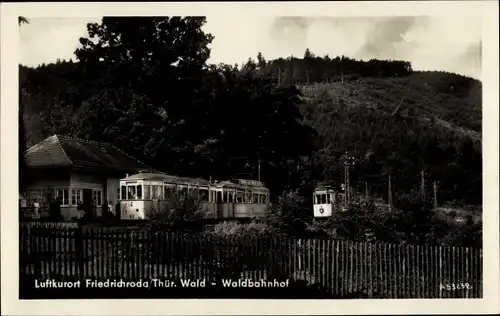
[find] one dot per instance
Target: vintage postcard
(282, 158)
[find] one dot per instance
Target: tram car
(326, 201)
(144, 193)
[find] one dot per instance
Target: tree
(21, 132)
(286, 215)
(130, 63)
(21, 150)
(261, 61)
(22, 20)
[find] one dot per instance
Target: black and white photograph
(233, 156)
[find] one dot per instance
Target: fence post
(80, 254)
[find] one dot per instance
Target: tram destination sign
(250, 182)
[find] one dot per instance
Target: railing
(341, 267)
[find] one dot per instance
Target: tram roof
(161, 177)
(230, 184)
(166, 178)
(324, 188)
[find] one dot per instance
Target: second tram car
(326, 201)
(143, 193)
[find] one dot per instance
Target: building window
(76, 196)
(64, 194)
(97, 197)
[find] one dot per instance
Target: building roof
(63, 151)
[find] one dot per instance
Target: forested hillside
(152, 93)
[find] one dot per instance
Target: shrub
(285, 215)
(179, 212)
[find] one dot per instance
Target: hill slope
(400, 125)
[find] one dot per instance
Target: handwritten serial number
(455, 286)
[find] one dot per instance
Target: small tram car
(143, 193)
(326, 201)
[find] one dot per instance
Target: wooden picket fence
(341, 267)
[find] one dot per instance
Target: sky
(430, 43)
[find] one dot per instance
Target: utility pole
(390, 193)
(341, 69)
(348, 162)
(258, 169)
(346, 184)
(279, 77)
(422, 185)
(366, 191)
(435, 196)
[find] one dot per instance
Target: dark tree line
(144, 85)
(313, 69)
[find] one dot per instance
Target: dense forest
(144, 85)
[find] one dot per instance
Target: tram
(326, 201)
(144, 193)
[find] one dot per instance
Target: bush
(235, 229)
(179, 212)
(285, 215)
(412, 220)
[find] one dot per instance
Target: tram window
(327, 198)
(194, 192)
(204, 195)
(255, 197)
(323, 198)
(168, 191)
(218, 197)
(239, 197)
(230, 197)
(154, 192)
(124, 192)
(131, 192)
(248, 197)
(147, 192)
(139, 191)
(316, 199)
(161, 192)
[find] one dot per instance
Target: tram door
(87, 202)
(219, 205)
